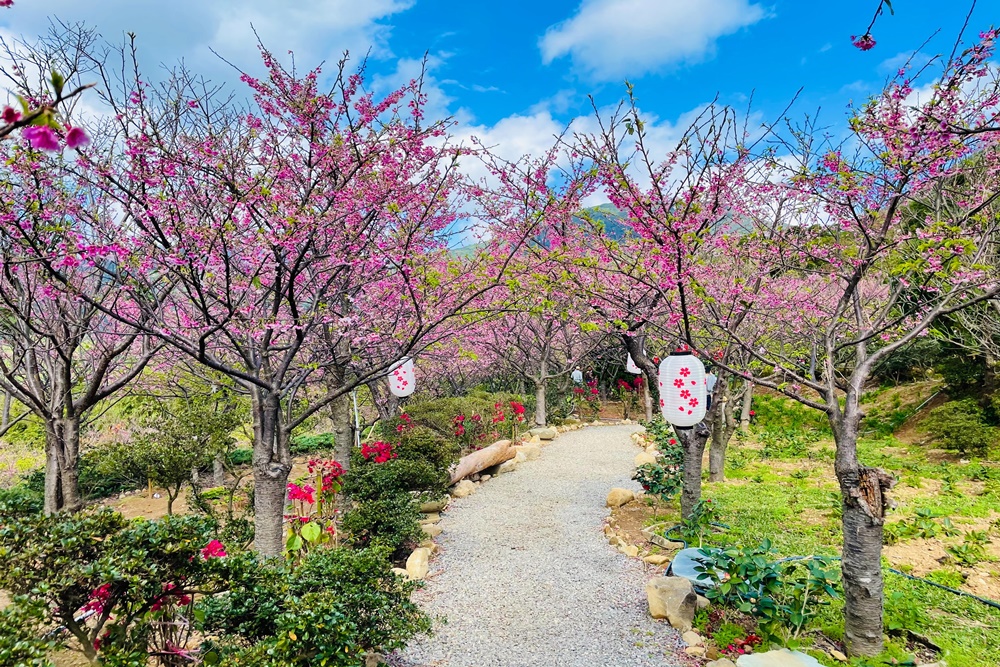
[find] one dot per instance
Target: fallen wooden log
(482, 459)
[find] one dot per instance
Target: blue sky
(516, 72)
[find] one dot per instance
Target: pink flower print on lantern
(685, 394)
(678, 383)
(685, 371)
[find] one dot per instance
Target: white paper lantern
(401, 379)
(682, 389)
(631, 367)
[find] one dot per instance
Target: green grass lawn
(781, 486)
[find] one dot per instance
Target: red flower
(517, 408)
(637, 382)
(10, 116)
(98, 598)
(752, 413)
(693, 402)
(303, 493)
(380, 452)
(678, 383)
(213, 549)
(594, 391)
(685, 394)
(685, 371)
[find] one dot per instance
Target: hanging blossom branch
(40, 118)
(866, 42)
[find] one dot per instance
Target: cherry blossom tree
(60, 355)
(297, 247)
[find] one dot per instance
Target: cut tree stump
(479, 460)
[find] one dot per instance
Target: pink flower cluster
(865, 42)
(331, 472)
(44, 138)
(98, 598)
(214, 549)
(182, 599)
(380, 452)
(305, 493)
(405, 423)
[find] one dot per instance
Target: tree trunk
(5, 417)
(481, 459)
(863, 502)
(62, 471)
(272, 461)
(385, 402)
(693, 441)
(635, 345)
(723, 427)
(747, 403)
(540, 416)
(647, 400)
(218, 471)
(343, 430)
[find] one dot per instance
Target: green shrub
(378, 601)
(367, 481)
(20, 500)
(424, 444)
(337, 603)
(782, 595)
(124, 568)
(910, 362)
(310, 444)
(783, 415)
(23, 640)
(240, 457)
(390, 521)
(960, 426)
(104, 472)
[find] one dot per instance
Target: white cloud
(315, 30)
(611, 39)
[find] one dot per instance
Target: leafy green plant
(23, 637)
(727, 634)
(780, 594)
(903, 612)
(700, 522)
(311, 444)
(967, 554)
(335, 601)
(658, 481)
(390, 520)
(20, 500)
(961, 426)
(240, 457)
(947, 577)
(127, 575)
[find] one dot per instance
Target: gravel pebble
(526, 577)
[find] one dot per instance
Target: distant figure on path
(577, 375)
(710, 380)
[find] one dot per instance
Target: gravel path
(526, 578)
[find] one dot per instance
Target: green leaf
(311, 531)
(294, 543)
(58, 81)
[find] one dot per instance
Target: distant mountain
(611, 218)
